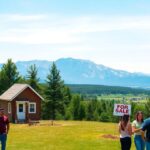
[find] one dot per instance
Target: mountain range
(77, 71)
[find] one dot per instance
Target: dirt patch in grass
(49, 124)
(56, 124)
(109, 136)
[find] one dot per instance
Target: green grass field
(64, 135)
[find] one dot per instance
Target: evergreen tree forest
(60, 103)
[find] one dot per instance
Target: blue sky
(115, 33)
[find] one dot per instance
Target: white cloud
(19, 17)
(57, 29)
(121, 42)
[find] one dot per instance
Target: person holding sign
(125, 131)
(136, 125)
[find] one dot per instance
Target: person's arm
(134, 129)
(143, 135)
(130, 129)
(119, 127)
(8, 127)
(143, 129)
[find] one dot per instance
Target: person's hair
(137, 114)
(124, 121)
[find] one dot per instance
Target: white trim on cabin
(9, 108)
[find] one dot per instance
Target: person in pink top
(4, 129)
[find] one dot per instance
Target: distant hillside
(76, 71)
(102, 89)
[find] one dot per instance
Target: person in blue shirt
(146, 133)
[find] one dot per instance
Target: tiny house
(21, 103)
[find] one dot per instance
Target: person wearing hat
(4, 128)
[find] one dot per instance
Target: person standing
(4, 129)
(125, 131)
(146, 132)
(136, 125)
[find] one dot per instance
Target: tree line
(103, 89)
(59, 102)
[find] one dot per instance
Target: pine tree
(32, 77)
(81, 111)
(75, 106)
(8, 75)
(147, 108)
(66, 95)
(89, 111)
(53, 94)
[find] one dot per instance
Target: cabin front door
(21, 110)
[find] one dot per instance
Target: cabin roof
(15, 90)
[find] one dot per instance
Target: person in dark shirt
(4, 128)
(146, 133)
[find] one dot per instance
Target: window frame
(9, 108)
(32, 103)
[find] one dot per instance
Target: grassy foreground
(64, 135)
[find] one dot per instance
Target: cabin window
(9, 108)
(21, 108)
(32, 107)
